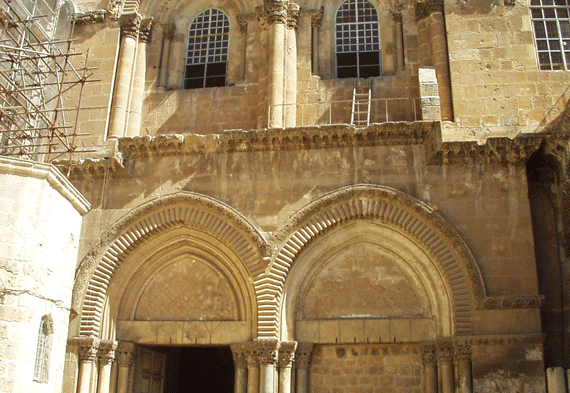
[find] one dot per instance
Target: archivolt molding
(194, 210)
(394, 208)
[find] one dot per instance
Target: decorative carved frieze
(130, 24)
(267, 351)
(95, 168)
(106, 352)
(239, 351)
(286, 353)
(145, 32)
(511, 302)
(303, 355)
(90, 17)
(126, 353)
(115, 7)
(500, 339)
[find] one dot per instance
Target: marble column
(167, 34)
(125, 355)
(286, 356)
(106, 357)
(139, 79)
(445, 366)
(302, 363)
(240, 362)
(291, 66)
(277, 19)
(267, 354)
(441, 62)
(87, 348)
(251, 355)
(130, 25)
(429, 359)
(316, 19)
(463, 359)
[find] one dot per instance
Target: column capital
(429, 356)
(425, 8)
(267, 350)
(293, 12)
(145, 32)
(251, 354)
(276, 11)
(316, 17)
(130, 24)
(125, 353)
(303, 355)
(168, 30)
(239, 351)
(87, 347)
(463, 352)
(106, 352)
(286, 353)
(445, 350)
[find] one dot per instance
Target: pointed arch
(392, 208)
(215, 218)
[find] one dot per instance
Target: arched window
(43, 351)
(358, 52)
(207, 55)
(551, 20)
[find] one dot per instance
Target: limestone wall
(39, 237)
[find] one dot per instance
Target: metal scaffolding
(40, 89)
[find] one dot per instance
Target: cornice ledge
(495, 150)
(50, 173)
(310, 137)
(96, 168)
(520, 302)
(500, 339)
(90, 17)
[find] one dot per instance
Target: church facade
(314, 196)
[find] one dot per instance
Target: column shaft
(276, 73)
(87, 351)
(291, 67)
(441, 63)
(302, 363)
(125, 359)
(430, 368)
(84, 380)
(399, 44)
(167, 34)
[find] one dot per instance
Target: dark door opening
(189, 368)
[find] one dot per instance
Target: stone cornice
(495, 150)
(90, 17)
(48, 172)
(96, 168)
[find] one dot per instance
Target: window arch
(207, 51)
(551, 20)
(358, 53)
(43, 350)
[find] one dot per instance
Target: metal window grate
(357, 40)
(207, 52)
(43, 351)
(551, 21)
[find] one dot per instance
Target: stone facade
(424, 251)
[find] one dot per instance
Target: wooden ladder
(361, 106)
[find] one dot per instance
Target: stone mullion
(429, 359)
(267, 354)
(252, 368)
(445, 366)
(463, 359)
(240, 361)
(125, 354)
(167, 34)
(139, 79)
(88, 347)
(286, 356)
(106, 357)
(302, 363)
(130, 25)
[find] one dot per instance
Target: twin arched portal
(188, 269)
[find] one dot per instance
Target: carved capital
(114, 8)
(463, 352)
(445, 351)
(90, 17)
(251, 355)
(293, 13)
(425, 8)
(239, 351)
(267, 351)
(145, 32)
(243, 20)
(303, 355)
(168, 30)
(316, 17)
(130, 24)
(429, 354)
(276, 11)
(286, 354)
(87, 348)
(126, 353)
(107, 351)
